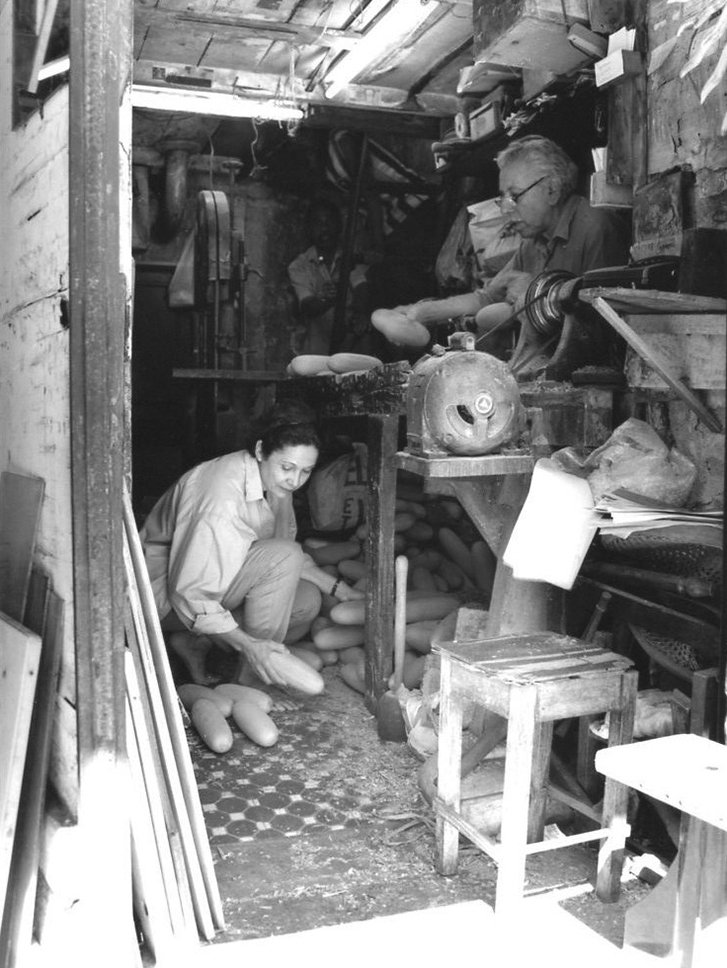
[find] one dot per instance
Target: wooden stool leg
(615, 796)
(449, 755)
(539, 781)
(521, 731)
(585, 770)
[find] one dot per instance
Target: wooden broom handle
(401, 575)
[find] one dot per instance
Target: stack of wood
(31, 639)
(176, 898)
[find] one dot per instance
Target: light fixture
(214, 103)
(400, 20)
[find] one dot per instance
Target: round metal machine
(461, 401)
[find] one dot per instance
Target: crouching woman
(222, 557)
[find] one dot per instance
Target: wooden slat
(139, 644)
(17, 923)
(149, 891)
(151, 758)
(181, 912)
(41, 43)
(157, 656)
(19, 659)
(21, 498)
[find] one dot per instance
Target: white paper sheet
(554, 529)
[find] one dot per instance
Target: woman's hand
(344, 593)
(257, 653)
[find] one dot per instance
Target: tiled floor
(328, 826)
(328, 771)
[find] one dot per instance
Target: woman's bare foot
(193, 651)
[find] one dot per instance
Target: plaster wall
(35, 430)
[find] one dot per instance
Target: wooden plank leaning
(45, 615)
(150, 775)
(160, 663)
(163, 725)
(19, 659)
(21, 498)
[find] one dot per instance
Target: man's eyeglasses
(512, 198)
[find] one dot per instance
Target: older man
(559, 230)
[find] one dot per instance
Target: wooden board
(159, 673)
(686, 771)
(47, 618)
(138, 642)
(20, 502)
(19, 659)
(166, 832)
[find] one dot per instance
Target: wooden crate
(691, 344)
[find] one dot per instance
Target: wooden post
(100, 50)
(380, 509)
(339, 320)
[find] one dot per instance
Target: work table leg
(380, 509)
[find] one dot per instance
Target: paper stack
(623, 512)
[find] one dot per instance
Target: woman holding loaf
(222, 557)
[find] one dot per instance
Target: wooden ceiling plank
(236, 27)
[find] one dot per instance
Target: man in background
(559, 230)
(315, 278)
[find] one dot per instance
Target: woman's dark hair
(287, 424)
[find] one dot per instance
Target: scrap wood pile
(176, 898)
(448, 563)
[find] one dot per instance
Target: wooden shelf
(487, 465)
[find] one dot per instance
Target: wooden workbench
(491, 488)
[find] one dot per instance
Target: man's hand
(516, 284)
(410, 311)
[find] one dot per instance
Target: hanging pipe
(176, 155)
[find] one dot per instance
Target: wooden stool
(531, 680)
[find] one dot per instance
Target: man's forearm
(439, 310)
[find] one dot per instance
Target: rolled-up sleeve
(204, 559)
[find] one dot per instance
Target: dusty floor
(328, 827)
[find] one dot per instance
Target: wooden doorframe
(101, 63)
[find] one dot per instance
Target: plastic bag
(454, 266)
(337, 492)
(493, 243)
(636, 459)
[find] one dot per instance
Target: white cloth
(198, 534)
